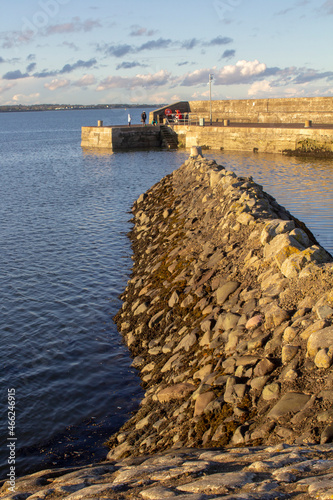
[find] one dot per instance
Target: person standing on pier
(143, 118)
(129, 119)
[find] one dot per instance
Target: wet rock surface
(229, 318)
(247, 473)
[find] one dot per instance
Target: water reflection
(91, 152)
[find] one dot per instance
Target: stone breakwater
(229, 317)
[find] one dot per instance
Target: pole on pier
(210, 99)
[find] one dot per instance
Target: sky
(148, 51)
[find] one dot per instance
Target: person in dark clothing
(143, 118)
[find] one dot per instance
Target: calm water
(65, 258)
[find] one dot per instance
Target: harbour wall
(279, 110)
(272, 139)
(261, 125)
(120, 138)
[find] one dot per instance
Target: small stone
(282, 243)
(274, 228)
(143, 422)
(125, 326)
(205, 339)
(290, 402)
(271, 391)
(119, 451)
(170, 363)
(288, 353)
(239, 435)
(323, 358)
(319, 340)
(174, 299)
(245, 219)
(314, 327)
(202, 402)
(290, 375)
(327, 434)
(229, 321)
(257, 342)
(187, 301)
(254, 322)
(247, 360)
(264, 367)
(289, 334)
(324, 312)
(148, 368)
(167, 213)
(203, 372)
(141, 198)
(141, 309)
(178, 391)
(275, 316)
(206, 325)
(229, 365)
(224, 291)
(138, 361)
(258, 383)
(187, 342)
(229, 390)
(300, 236)
(156, 493)
(156, 319)
(325, 416)
(130, 339)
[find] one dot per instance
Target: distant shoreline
(66, 107)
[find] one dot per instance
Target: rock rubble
(229, 318)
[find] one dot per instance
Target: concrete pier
(264, 138)
(120, 138)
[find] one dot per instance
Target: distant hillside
(58, 107)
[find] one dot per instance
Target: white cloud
(260, 88)
(196, 77)
(149, 80)
(17, 98)
(201, 95)
(57, 84)
(85, 81)
(241, 72)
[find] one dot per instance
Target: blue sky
(110, 51)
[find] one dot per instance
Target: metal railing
(185, 119)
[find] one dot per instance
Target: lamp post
(210, 98)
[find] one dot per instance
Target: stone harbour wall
(229, 317)
(277, 110)
(263, 140)
(119, 138)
